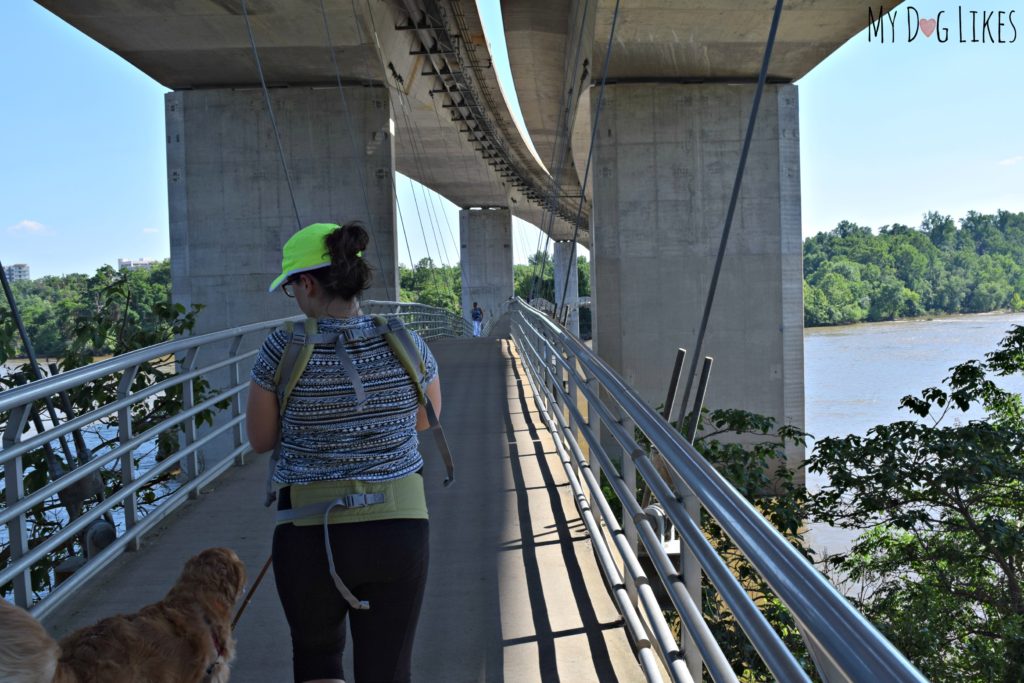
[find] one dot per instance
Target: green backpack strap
(403, 346)
(297, 352)
(296, 356)
(401, 343)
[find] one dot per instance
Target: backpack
(299, 349)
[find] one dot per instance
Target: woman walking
(352, 533)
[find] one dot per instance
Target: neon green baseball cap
(304, 251)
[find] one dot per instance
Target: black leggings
(383, 562)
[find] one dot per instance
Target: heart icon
(927, 27)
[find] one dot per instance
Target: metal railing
(580, 397)
(223, 360)
(430, 322)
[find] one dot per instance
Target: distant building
(19, 271)
(136, 263)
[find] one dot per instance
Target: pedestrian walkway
(514, 593)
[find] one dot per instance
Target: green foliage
(940, 566)
(750, 452)
(538, 277)
(753, 459)
(432, 285)
(852, 275)
(114, 312)
(53, 307)
(441, 286)
(8, 333)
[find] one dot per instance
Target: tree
(117, 312)
(940, 229)
(441, 297)
(752, 458)
(749, 451)
(939, 268)
(583, 268)
(431, 285)
(941, 504)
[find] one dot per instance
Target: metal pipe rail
(430, 322)
(227, 356)
(577, 394)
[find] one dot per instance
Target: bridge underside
(442, 138)
(513, 593)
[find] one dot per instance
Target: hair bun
(348, 242)
(349, 274)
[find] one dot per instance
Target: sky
(889, 131)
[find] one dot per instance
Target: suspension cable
(419, 154)
(465, 167)
(374, 225)
(560, 151)
(418, 160)
(402, 99)
(270, 111)
(762, 76)
(590, 152)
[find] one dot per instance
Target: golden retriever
(184, 638)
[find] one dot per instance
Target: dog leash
(252, 592)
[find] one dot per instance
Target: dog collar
(218, 646)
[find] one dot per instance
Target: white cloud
(30, 227)
(1012, 161)
(151, 231)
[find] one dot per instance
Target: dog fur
(175, 640)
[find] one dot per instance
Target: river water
(855, 376)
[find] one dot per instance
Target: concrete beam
(230, 209)
(712, 39)
(487, 276)
(666, 160)
(204, 44)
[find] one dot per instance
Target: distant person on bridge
(346, 446)
(477, 315)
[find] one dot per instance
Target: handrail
(222, 355)
(842, 643)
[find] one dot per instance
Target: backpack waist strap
(352, 500)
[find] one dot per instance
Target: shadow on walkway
(513, 593)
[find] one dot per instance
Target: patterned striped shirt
(323, 437)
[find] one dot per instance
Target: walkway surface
(514, 592)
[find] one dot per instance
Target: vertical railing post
(594, 420)
(238, 435)
(689, 567)
(188, 401)
(576, 407)
(14, 481)
(125, 433)
(549, 365)
(628, 525)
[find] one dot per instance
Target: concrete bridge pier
(486, 259)
(565, 264)
(666, 158)
(230, 208)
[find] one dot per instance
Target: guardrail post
(124, 435)
(688, 565)
(188, 401)
(14, 481)
(237, 433)
(580, 407)
(628, 525)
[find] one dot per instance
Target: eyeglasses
(287, 288)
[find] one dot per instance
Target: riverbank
(921, 318)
